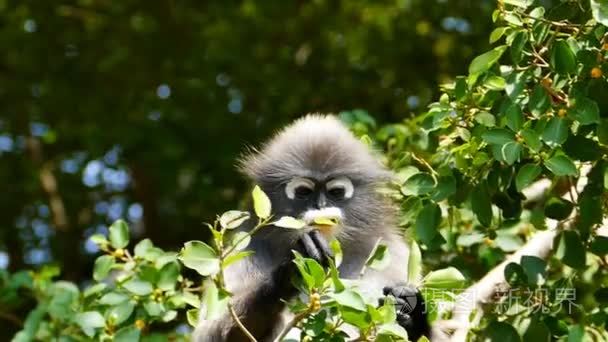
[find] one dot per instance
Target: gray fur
(321, 148)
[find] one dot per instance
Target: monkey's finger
(310, 248)
(322, 244)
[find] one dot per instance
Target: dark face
(307, 197)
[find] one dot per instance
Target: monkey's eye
(299, 187)
(340, 188)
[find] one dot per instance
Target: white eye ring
(296, 182)
(341, 183)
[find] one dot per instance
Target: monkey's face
(324, 203)
(317, 169)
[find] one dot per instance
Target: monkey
(314, 168)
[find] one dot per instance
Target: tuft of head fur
(318, 146)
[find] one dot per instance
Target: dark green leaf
(570, 249)
(534, 267)
(562, 60)
(501, 332)
(514, 117)
(482, 205)
(485, 61)
(561, 166)
(526, 175)
(427, 222)
(556, 131)
(418, 184)
(539, 101)
(585, 111)
(498, 136)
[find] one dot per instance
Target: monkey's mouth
(325, 220)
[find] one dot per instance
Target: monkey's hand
(410, 308)
(313, 245)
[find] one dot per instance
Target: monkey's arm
(255, 301)
(409, 303)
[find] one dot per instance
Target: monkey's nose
(321, 201)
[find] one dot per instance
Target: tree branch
(472, 299)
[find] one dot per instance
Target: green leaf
(337, 251)
(534, 268)
(192, 317)
(485, 119)
(414, 263)
(379, 258)
(127, 334)
(526, 175)
(316, 271)
(515, 275)
(200, 257)
(138, 287)
(495, 83)
(498, 136)
(289, 222)
(514, 117)
(460, 88)
(599, 245)
(102, 267)
(517, 46)
(497, 33)
(510, 152)
(576, 333)
(120, 313)
(392, 329)
(446, 187)
(532, 139)
(558, 208)
(113, 298)
(94, 289)
(562, 59)
(539, 101)
(482, 205)
(168, 276)
(261, 203)
(240, 240)
(215, 302)
(89, 321)
(349, 298)
(585, 111)
(98, 239)
(233, 219)
(556, 131)
(427, 222)
(447, 278)
(418, 184)
(501, 331)
(602, 132)
(234, 257)
(64, 297)
(570, 249)
(561, 166)
(485, 61)
(119, 234)
(599, 9)
(143, 247)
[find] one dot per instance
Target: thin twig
(238, 322)
(292, 323)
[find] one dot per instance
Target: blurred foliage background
(139, 109)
